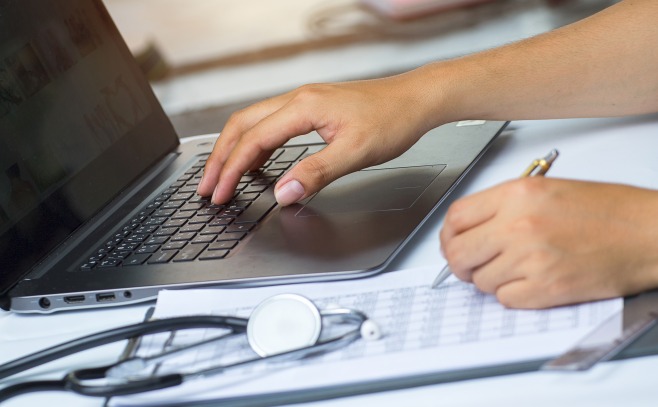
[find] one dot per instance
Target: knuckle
(481, 282)
(454, 216)
(528, 187)
(309, 92)
(237, 118)
(319, 170)
(508, 301)
(452, 251)
(528, 224)
(517, 299)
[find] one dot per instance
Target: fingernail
(291, 192)
(213, 197)
(200, 183)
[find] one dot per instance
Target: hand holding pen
(538, 167)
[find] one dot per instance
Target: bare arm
(605, 65)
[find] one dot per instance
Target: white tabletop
(615, 150)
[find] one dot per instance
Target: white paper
(451, 327)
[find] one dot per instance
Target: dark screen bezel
(101, 180)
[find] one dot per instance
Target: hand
(364, 123)
(541, 242)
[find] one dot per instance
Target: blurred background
(207, 58)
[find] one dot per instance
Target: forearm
(605, 65)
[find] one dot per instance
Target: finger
(501, 270)
(526, 294)
(473, 249)
(471, 211)
(267, 135)
(239, 123)
(317, 171)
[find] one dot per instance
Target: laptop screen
(78, 123)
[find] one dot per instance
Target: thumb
(315, 172)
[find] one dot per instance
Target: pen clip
(541, 165)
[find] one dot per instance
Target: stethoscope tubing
(117, 334)
(77, 381)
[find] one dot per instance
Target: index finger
(237, 125)
(471, 211)
(267, 135)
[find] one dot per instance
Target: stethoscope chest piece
(283, 323)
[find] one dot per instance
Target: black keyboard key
(208, 211)
(156, 240)
(135, 238)
(279, 166)
(258, 209)
(182, 215)
(192, 206)
(192, 228)
(117, 256)
(183, 236)
(264, 181)
(174, 245)
(212, 230)
(146, 229)
(165, 231)
(255, 188)
(188, 188)
(189, 252)
(223, 245)
(213, 254)
(201, 219)
(148, 248)
(243, 227)
(231, 236)
(203, 239)
(135, 259)
(155, 221)
(109, 262)
(221, 221)
(247, 196)
(126, 247)
(172, 204)
(164, 212)
(231, 212)
(174, 223)
(163, 256)
(290, 154)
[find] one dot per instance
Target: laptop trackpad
(375, 190)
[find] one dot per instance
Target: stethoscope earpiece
(370, 330)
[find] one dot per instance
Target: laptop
(97, 193)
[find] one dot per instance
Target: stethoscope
(281, 328)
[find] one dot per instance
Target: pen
(537, 168)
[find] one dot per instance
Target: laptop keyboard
(181, 226)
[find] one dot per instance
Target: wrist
(450, 91)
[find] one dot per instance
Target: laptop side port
(104, 297)
(74, 299)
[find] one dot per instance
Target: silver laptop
(97, 196)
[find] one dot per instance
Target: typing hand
(541, 242)
(364, 123)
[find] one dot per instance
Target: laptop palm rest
(374, 190)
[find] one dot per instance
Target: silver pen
(537, 168)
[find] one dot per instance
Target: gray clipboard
(635, 308)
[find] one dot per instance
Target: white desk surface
(618, 150)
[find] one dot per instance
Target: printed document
(424, 330)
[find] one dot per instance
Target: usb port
(105, 297)
(74, 299)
